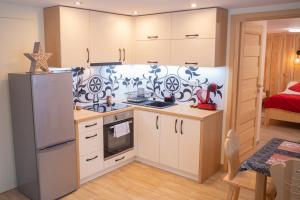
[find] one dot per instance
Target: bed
(284, 106)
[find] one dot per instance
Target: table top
(276, 150)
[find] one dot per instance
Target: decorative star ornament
(38, 58)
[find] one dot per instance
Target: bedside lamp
(297, 60)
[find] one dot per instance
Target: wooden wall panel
(279, 66)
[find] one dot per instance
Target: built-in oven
(117, 144)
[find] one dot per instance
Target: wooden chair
(286, 177)
(236, 179)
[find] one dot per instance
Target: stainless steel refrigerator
(43, 134)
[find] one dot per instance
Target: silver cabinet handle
(120, 55)
(90, 125)
(89, 159)
(117, 160)
(124, 54)
(181, 124)
(88, 55)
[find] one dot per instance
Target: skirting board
(147, 162)
(105, 171)
(168, 169)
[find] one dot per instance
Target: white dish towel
(121, 129)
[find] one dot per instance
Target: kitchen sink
(158, 104)
(154, 104)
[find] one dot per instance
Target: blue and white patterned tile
(92, 85)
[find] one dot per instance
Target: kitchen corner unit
(179, 139)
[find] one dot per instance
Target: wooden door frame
(234, 55)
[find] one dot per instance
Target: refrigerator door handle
(57, 146)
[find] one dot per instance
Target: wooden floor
(137, 181)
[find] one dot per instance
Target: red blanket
(289, 102)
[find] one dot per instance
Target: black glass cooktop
(104, 107)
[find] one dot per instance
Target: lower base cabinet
(180, 143)
(91, 164)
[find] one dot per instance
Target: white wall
(20, 27)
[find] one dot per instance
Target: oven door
(115, 145)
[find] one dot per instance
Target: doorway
(246, 76)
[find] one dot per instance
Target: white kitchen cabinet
(169, 138)
(197, 52)
(180, 143)
(111, 37)
(194, 24)
(189, 146)
(153, 27)
(89, 136)
(148, 135)
(67, 36)
(152, 52)
(198, 37)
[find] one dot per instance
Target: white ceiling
(148, 6)
(282, 25)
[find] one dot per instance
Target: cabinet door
(194, 24)
(148, 136)
(111, 37)
(169, 135)
(125, 27)
(153, 27)
(74, 36)
(152, 52)
(199, 52)
(189, 146)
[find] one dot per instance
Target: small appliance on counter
(205, 102)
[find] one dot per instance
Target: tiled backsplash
(92, 85)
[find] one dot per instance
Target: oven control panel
(117, 117)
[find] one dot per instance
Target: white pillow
(288, 91)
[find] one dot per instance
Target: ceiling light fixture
(78, 3)
(135, 12)
(193, 5)
(294, 30)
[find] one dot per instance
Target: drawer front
(118, 159)
(91, 164)
(91, 125)
(90, 141)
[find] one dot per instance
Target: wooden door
(169, 134)
(189, 145)
(148, 136)
(247, 90)
(74, 37)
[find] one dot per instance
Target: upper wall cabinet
(67, 36)
(153, 27)
(111, 38)
(198, 37)
(194, 24)
(78, 37)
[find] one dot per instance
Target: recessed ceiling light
(294, 30)
(78, 3)
(135, 12)
(193, 5)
